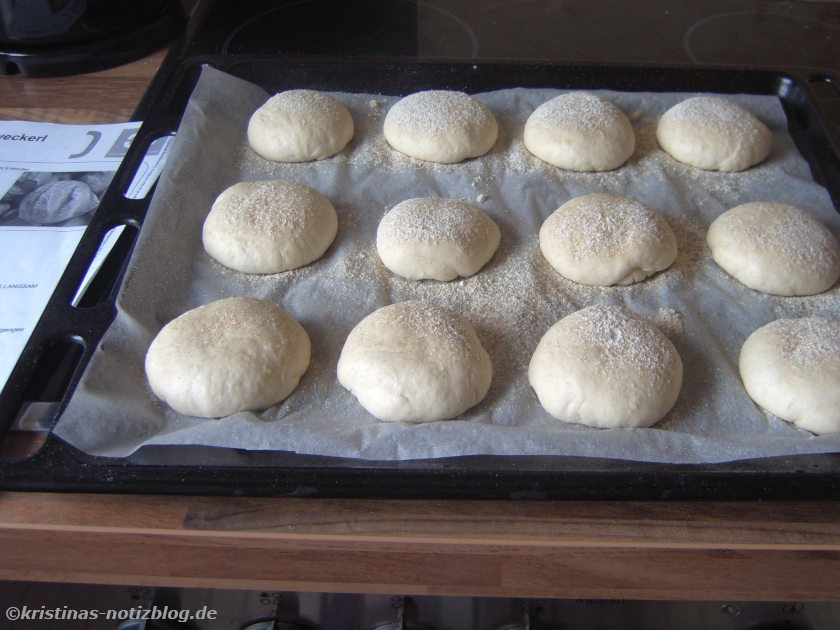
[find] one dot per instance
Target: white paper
(511, 302)
(52, 178)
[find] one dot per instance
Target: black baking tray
(66, 336)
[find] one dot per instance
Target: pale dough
(300, 126)
(440, 126)
(415, 362)
(603, 239)
(235, 354)
(269, 226)
(791, 368)
(435, 238)
(605, 366)
(713, 134)
(775, 248)
(579, 131)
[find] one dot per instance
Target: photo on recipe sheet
(57, 199)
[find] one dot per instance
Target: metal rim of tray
(65, 337)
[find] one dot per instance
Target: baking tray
(66, 337)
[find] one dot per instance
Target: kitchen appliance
(398, 47)
(58, 37)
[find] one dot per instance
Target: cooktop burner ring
(707, 41)
(453, 17)
(226, 45)
(467, 46)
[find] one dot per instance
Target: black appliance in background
(40, 38)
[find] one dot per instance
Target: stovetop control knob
(156, 625)
(767, 616)
(275, 624)
(529, 620)
(407, 618)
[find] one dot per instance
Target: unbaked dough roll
(434, 238)
(235, 354)
(775, 248)
(579, 131)
(604, 240)
(415, 362)
(269, 226)
(791, 368)
(605, 366)
(440, 126)
(300, 126)
(713, 134)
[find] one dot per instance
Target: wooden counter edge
(567, 568)
(697, 551)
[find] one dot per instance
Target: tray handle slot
(808, 101)
(53, 372)
(824, 86)
(149, 167)
(105, 266)
(826, 90)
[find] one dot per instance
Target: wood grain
(632, 550)
(811, 525)
(107, 96)
(563, 568)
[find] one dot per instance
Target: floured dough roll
(440, 126)
(435, 238)
(580, 132)
(713, 134)
(775, 248)
(236, 354)
(269, 226)
(602, 239)
(299, 126)
(791, 368)
(605, 366)
(415, 362)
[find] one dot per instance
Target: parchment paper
(511, 302)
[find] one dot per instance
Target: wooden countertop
(628, 550)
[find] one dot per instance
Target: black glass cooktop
(746, 32)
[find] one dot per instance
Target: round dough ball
(415, 362)
(580, 132)
(440, 126)
(299, 126)
(775, 248)
(236, 354)
(713, 134)
(269, 226)
(791, 368)
(602, 239)
(605, 366)
(439, 239)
